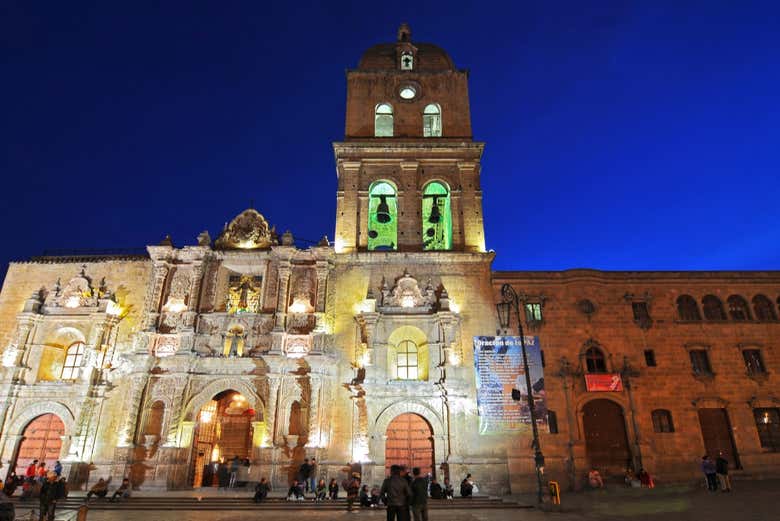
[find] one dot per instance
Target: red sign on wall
(603, 382)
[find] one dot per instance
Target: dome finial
(404, 33)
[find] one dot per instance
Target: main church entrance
(223, 431)
(606, 442)
(42, 441)
(410, 443)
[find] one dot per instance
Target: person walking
(234, 464)
(419, 496)
(722, 471)
(710, 474)
(397, 495)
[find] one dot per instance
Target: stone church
(360, 351)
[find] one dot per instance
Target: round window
(408, 92)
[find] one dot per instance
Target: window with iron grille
(768, 425)
(753, 361)
(552, 422)
(662, 421)
(594, 361)
(700, 362)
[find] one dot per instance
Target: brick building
(160, 365)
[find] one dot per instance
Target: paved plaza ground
(751, 501)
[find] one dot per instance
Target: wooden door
(606, 441)
(410, 443)
(41, 440)
(716, 432)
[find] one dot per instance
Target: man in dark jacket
(419, 496)
(304, 471)
(51, 491)
(397, 495)
(722, 471)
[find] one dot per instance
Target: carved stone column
(274, 382)
(152, 304)
(322, 278)
(314, 411)
(283, 295)
(126, 433)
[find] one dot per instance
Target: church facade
(360, 351)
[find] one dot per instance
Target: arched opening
(410, 443)
(606, 440)
(382, 217)
(432, 121)
(437, 217)
(383, 120)
(42, 441)
(222, 432)
(408, 355)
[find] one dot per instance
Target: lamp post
(510, 302)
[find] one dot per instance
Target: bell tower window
(437, 217)
(432, 121)
(407, 61)
(382, 217)
(383, 120)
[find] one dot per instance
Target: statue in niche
(244, 294)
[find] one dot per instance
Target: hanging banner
(603, 382)
(498, 361)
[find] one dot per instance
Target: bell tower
(408, 168)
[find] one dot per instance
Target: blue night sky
(620, 135)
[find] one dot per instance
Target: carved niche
(243, 295)
(247, 231)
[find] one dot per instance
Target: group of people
(226, 472)
(48, 485)
(716, 473)
(641, 479)
(100, 490)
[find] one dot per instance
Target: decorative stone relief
(297, 346)
(248, 230)
(407, 296)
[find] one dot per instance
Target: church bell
(435, 216)
(383, 211)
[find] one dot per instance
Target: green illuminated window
(383, 120)
(382, 217)
(437, 217)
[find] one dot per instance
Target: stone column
(270, 412)
(152, 304)
(193, 304)
(322, 279)
(283, 295)
(126, 434)
(471, 208)
(409, 207)
(347, 207)
(314, 411)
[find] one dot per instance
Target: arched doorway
(42, 441)
(223, 431)
(410, 443)
(606, 440)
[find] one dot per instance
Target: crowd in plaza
(48, 485)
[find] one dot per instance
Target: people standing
(40, 472)
(397, 495)
(234, 464)
(58, 468)
(313, 475)
(722, 471)
(419, 496)
(333, 489)
(709, 470)
(352, 486)
(29, 473)
(223, 475)
(51, 492)
(304, 472)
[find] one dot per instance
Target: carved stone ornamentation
(297, 346)
(247, 231)
(407, 296)
(77, 293)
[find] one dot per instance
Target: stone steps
(246, 504)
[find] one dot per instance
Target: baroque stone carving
(297, 346)
(406, 295)
(78, 292)
(247, 231)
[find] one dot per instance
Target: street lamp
(510, 302)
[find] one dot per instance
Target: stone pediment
(77, 293)
(407, 296)
(247, 231)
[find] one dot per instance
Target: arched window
(738, 308)
(382, 217)
(383, 120)
(436, 217)
(662, 421)
(594, 360)
(763, 309)
(432, 121)
(74, 358)
(407, 360)
(687, 308)
(713, 308)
